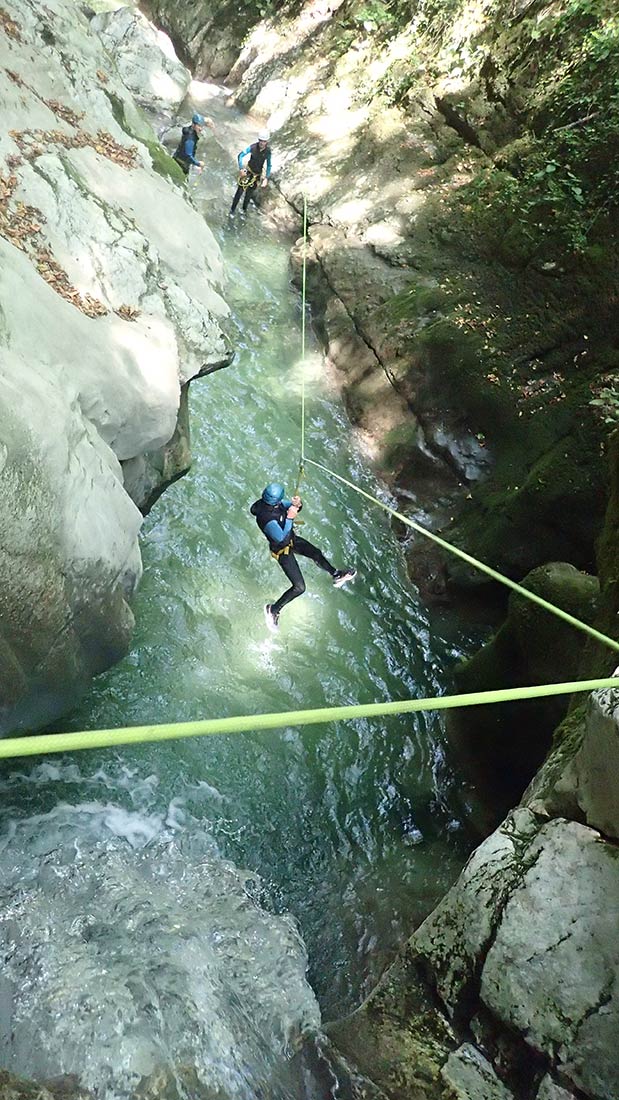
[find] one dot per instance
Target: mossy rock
(134, 123)
(500, 747)
(553, 510)
(598, 659)
(66, 1087)
(398, 1037)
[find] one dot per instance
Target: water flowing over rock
(110, 301)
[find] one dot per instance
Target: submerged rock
(66, 1087)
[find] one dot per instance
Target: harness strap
(284, 550)
(247, 178)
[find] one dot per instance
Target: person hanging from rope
(185, 155)
(274, 515)
(251, 174)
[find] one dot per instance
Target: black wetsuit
(254, 166)
(284, 544)
(185, 154)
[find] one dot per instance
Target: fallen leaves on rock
(9, 26)
(129, 313)
(113, 150)
(20, 224)
(58, 279)
(32, 143)
(65, 113)
(103, 77)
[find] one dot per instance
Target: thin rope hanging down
(301, 473)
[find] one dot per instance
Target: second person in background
(185, 155)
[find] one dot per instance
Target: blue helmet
(198, 120)
(273, 493)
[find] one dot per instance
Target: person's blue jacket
(273, 522)
(187, 146)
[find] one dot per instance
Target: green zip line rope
(473, 561)
(246, 723)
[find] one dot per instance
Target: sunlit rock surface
(552, 972)
(393, 127)
(110, 300)
(144, 57)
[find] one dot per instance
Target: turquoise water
(161, 900)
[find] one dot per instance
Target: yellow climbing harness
(247, 179)
(284, 550)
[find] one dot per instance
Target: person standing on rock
(251, 174)
(274, 515)
(185, 155)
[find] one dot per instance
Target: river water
(192, 907)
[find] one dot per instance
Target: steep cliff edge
(110, 302)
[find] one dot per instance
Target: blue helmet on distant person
(198, 120)
(273, 493)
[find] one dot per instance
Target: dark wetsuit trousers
(250, 193)
(291, 568)
(184, 164)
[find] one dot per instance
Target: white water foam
(124, 968)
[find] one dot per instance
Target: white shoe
(271, 618)
(342, 576)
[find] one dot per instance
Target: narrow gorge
(300, 914)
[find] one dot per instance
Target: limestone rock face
(110, 301)
(522, 954)
(469, 1076)
(552, 971)
(458, 933)
(596, 766)
(550, 1090)
(144, 57)
(579, 778)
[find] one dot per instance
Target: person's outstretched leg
(290, 565)
(308, 550)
